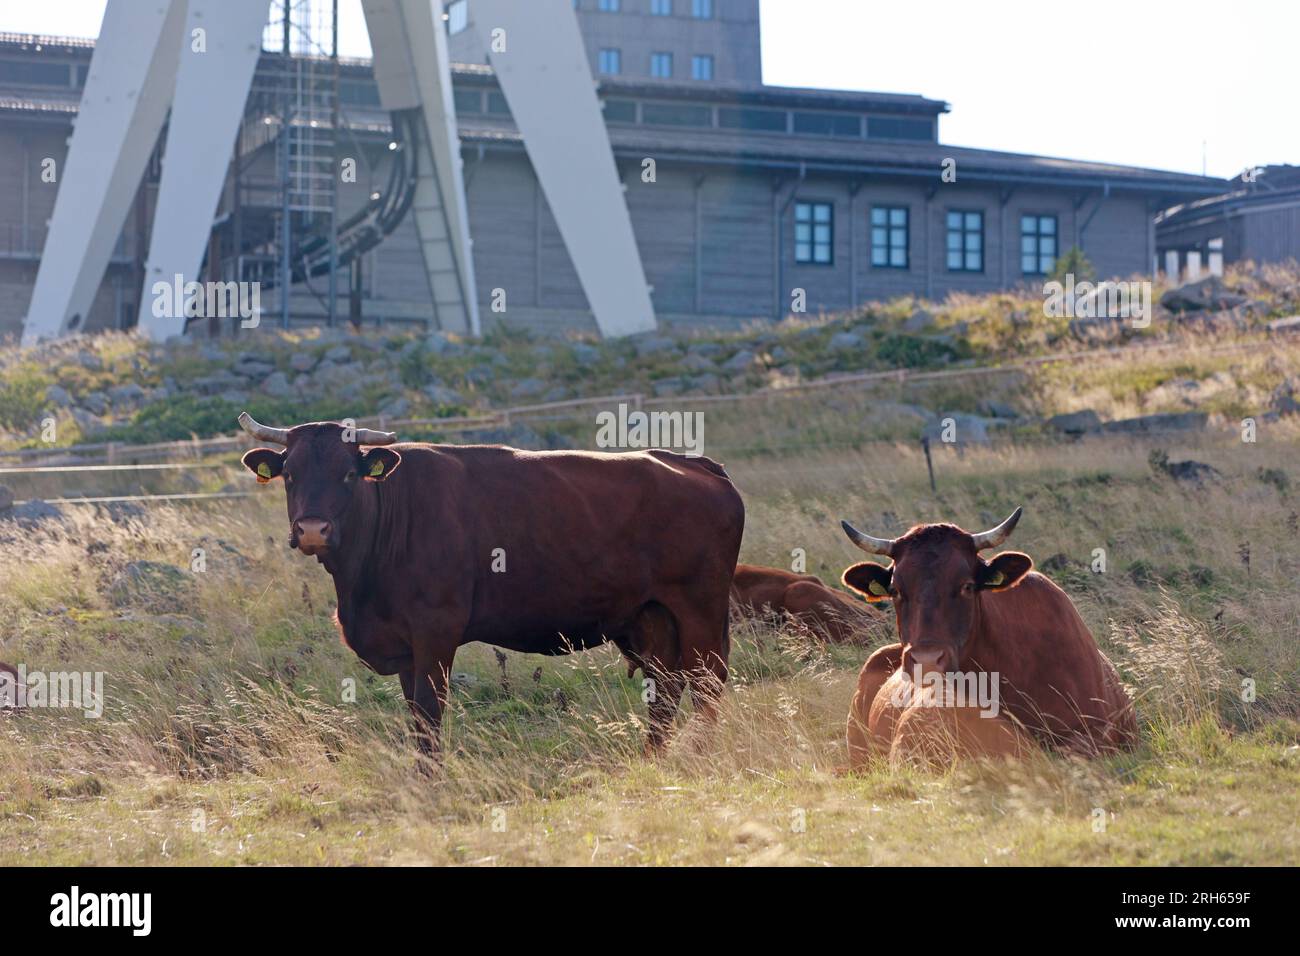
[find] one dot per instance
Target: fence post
(929, 464)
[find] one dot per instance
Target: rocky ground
(115, 387)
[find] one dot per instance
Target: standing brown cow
(433, 546)
(960, 615)
(828, 613)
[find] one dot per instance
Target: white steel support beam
(212, 86)
(540, 62)
(128, 89)
(413, 71)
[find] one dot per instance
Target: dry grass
(229, 735)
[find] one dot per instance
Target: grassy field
(231, 732)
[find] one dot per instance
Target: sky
(1182, 85)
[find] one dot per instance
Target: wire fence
(86, 458)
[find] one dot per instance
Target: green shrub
(22, 396)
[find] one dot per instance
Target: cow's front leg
(424, 685)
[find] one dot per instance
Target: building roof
(912, 159)
(908, 160)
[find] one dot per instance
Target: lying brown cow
(12, 692)
(965, 625)
(433, 546)
(828, 613)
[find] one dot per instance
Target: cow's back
(1054, 678)
(565, 539)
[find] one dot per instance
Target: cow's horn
(995, 536)
(368, 436)
(249, 424)
(867, 543)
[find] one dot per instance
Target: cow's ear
(1006, 570)
(265, 463)
(869, 579)
(378, 463)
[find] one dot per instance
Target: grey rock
(527, 388)
(440, 343)
(442, 395)
(694, 362)
(998, 409)
(95, 402)
(1170, 421)
(277, 385)
(707, 349)
(1206, 294)
(708, 383)
(58, 395)
(1101, 328)
(32, 513)
(1283, 400)
(87, 422)
(585, 354)
(556, 393)
(253, 366)
(654, 345)
(742, 361)
(918, 321)
(302, 361)
(845, 341)
(213, 384)
(235, 396)
(668, 387)
(128, 394)
(965, 428)
(781, 355)
(1076, 423)
(339, 353)
(397, 408)
(480, 375)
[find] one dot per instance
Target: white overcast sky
(1156, 83)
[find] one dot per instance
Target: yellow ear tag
(377, 468)
(876, 588)
(997, 579)
(263, 472)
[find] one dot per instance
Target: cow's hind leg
(651, 643)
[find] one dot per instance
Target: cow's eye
(968, 589)
(350, 477)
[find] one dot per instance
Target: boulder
(918, 321)
(1076, 423)
(277, 385)
(1146, 424)
(302, 361)
(527, 388)
(95, 402)
(654, 345)
(845, 342)
(742, 361)
(442, 395)
(1206, 294)
(964, 429)
(58, 395)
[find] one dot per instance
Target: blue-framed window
(702, 9)
(965, 240)
(611, 61)
(889, 235)
(661, 8)
(702, 66)
(1038, 244)
(814, 233)
(661, 65)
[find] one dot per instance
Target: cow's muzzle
(310, 535)
(927, 659)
